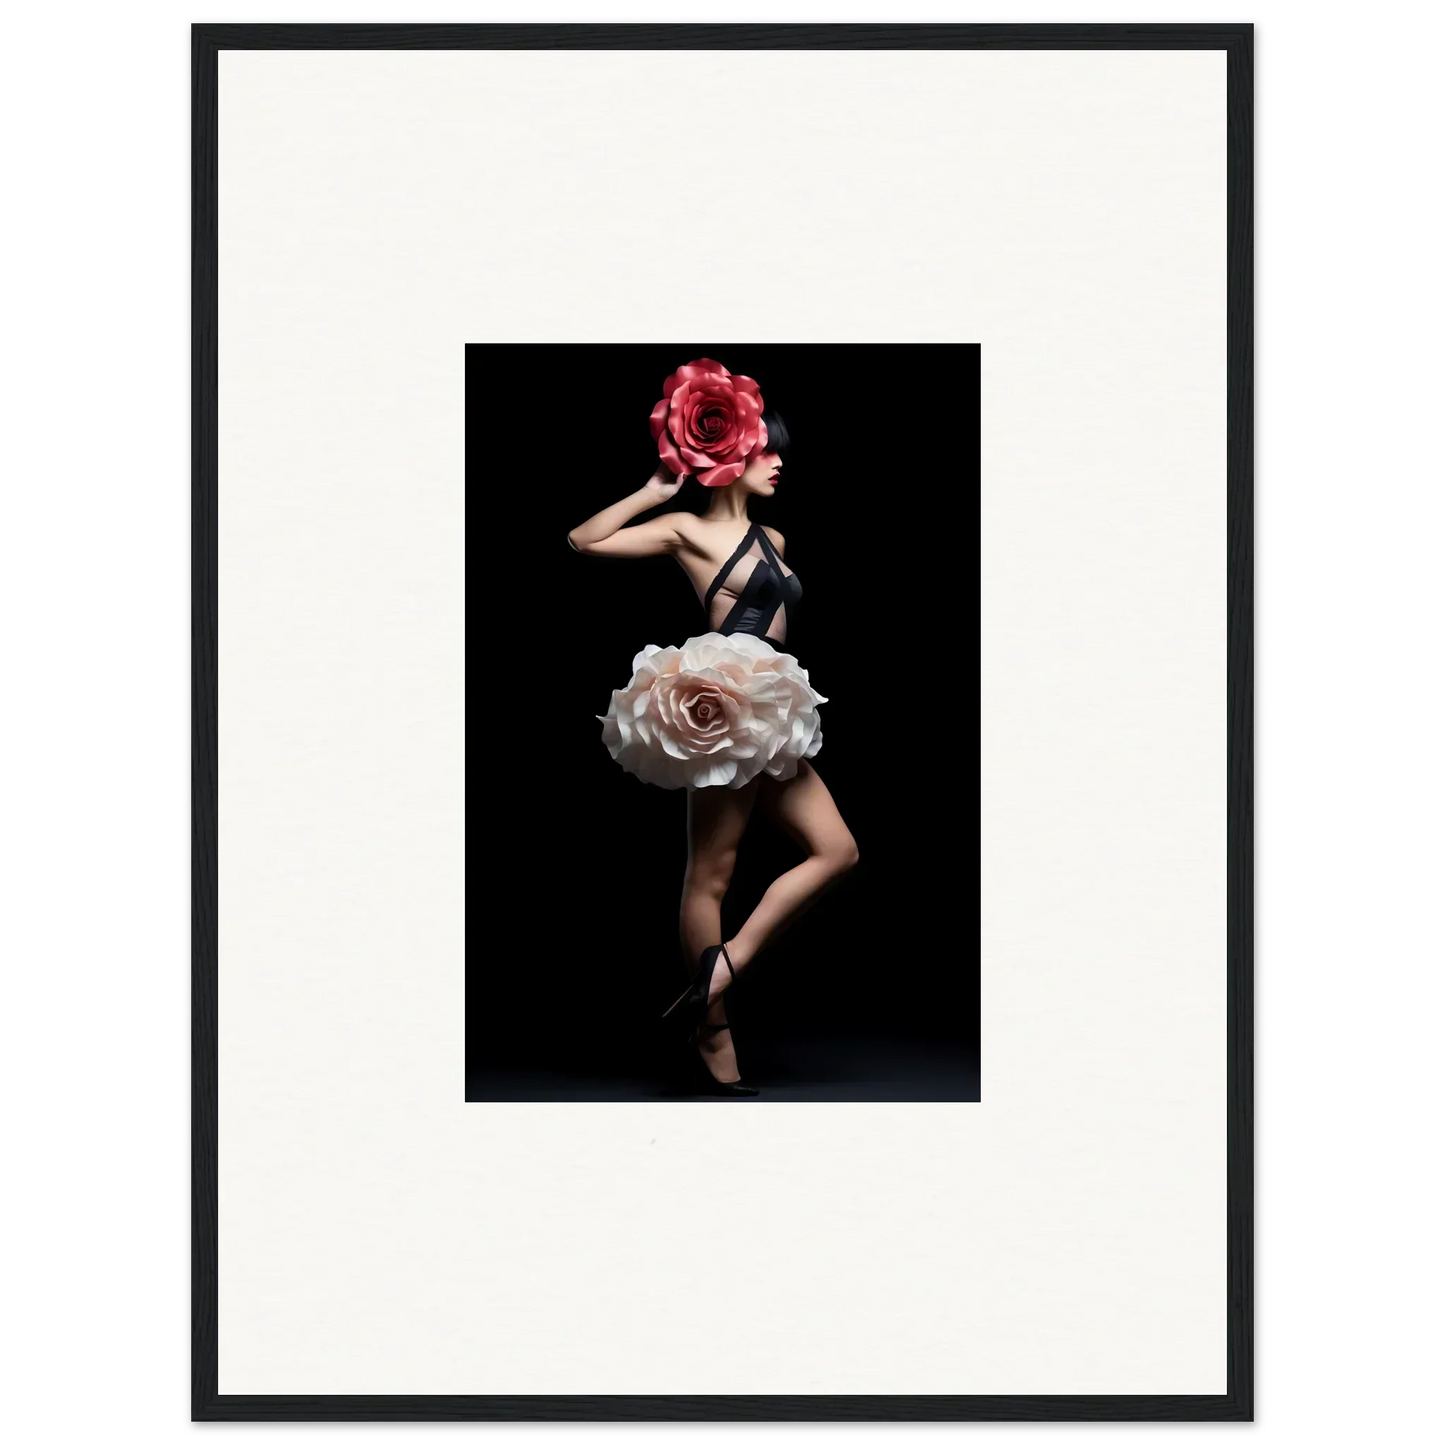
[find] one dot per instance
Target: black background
(874, 992)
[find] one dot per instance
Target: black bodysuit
(766, 591)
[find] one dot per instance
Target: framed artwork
(782, 495)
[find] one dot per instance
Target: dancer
(729, 715)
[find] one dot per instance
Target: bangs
(778, 437)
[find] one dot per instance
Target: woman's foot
(715, 1047)
(712, 1066)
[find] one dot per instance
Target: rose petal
(668, 453)
(721, 476)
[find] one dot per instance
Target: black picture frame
(1236, 1403)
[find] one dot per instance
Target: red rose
(708, 422)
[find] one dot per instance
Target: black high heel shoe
(689, 1010)
(707, 1082)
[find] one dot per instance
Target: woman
(729, 716)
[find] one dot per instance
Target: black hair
(778, 437)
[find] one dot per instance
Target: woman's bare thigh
(804, 808)
(716, 819)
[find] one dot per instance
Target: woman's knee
(842, 854)
(711, 873)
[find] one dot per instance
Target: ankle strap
(716, 1028)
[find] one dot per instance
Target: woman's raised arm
(607, 535)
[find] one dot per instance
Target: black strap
(730, 564)
(727, 960)
(714, 1027)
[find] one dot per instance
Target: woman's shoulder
(709, 538)
(689, 528)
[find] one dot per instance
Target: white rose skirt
(715, 712)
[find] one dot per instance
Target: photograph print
(731, 816)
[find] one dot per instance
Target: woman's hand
(663, 484)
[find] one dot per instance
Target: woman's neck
(729, 506)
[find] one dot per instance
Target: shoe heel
(689, 1011)
(677, 1003)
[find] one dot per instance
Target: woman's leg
(716, 818)
(804, 808)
